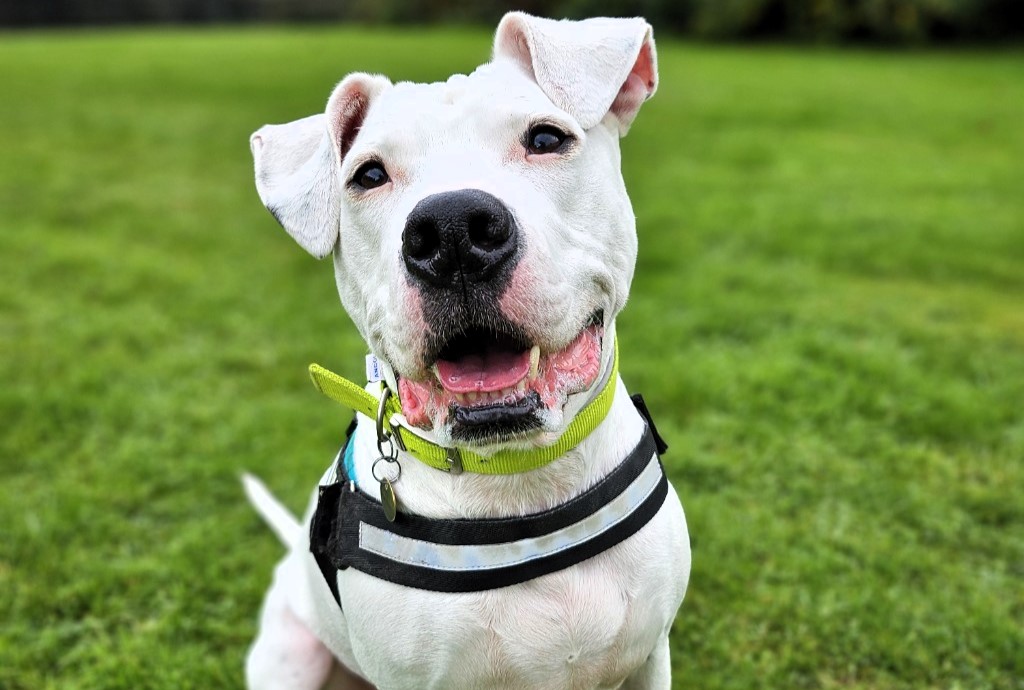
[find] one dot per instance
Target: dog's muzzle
(480, 371)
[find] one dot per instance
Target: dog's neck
(426, 491)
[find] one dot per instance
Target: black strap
(327, 507)
(641, 407)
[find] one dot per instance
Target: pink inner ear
(644, 67)
(350, 119)
(346, 111)
(513, 42)
(637, 88)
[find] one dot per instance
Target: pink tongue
(488, 372)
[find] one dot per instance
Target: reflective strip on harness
(462, 555)
(478, 556)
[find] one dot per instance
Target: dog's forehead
(494, 96)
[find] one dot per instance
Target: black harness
(349, 530)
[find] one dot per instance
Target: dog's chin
(488, 389)
(496, 422)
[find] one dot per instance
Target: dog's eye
(369, 175)
(545, 139)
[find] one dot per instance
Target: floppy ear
(589, 68)
(297, 164)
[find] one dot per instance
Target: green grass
(827, 320)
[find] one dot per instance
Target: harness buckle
(383, 435)
(397, 437)
(454, 460)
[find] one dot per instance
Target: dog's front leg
(656, 673)
(285, 654)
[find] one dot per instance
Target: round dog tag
(387, 499)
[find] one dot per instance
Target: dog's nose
(456, 237)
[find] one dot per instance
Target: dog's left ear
(590, 69)
(297, 164)
(296, 178)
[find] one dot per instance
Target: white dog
(499, 518)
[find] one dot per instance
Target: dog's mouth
(495, 386)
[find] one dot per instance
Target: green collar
(456, 460)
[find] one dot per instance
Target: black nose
(457, 237)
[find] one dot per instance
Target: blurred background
(888, 21)
(827, 321)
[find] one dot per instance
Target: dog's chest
(563, 631)
(579, 629)
(588, 626)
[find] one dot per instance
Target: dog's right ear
(298, 163)
(590, 68)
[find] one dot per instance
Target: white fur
(284, 524)
(604, 622)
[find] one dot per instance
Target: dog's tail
(284, 524)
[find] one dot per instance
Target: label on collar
(374, 371)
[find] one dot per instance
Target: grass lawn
(827, 321)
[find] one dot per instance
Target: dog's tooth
(534, 361)
(473, 396)
(461, 398)
(521, 386)
(436, 373)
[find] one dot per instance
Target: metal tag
(387, 499)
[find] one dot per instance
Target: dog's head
(483, 241)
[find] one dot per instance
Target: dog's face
(482, 238)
